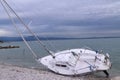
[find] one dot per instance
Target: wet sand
(10, 72)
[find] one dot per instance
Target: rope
(91, 66)
(35, 56)
(30, 30)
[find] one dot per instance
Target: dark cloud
(68, 18)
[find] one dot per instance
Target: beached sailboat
(77, 61)
(66, 62)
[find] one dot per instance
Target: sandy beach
(10, 72)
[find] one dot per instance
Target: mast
(26, 26)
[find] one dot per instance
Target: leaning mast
(26, 26)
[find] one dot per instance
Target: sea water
(23, 57)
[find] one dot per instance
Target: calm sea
(22, 56)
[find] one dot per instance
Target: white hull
(76, 61)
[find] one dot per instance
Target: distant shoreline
(31, 38)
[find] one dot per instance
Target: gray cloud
(68, 17)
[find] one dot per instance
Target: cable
(35, 56)
(30, 30)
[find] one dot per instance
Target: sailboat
(77, 61)
(67, 62)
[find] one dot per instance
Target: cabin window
(61, 65)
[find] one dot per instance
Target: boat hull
(76, 61)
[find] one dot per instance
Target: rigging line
(51, 53)
(89, 63)
(50, 43)
(13, 22)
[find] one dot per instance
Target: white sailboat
(66, 62)
(77, 61)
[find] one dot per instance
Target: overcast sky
(64, 18)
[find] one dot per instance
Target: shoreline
(12, 72)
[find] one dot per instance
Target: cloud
(4, 32)
(65, 9)
(64, 17)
